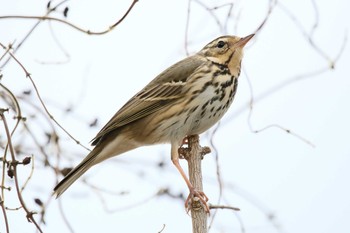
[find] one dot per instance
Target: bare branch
(252, 129)
(218, 172)
(74, 26)
(161, 230)
(29, 214)
(2, 203)
(272, 4)
(28, 75)
(198, 212)
(49, 11)
(64, 217)
(224, 207)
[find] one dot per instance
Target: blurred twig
(2, 204)
(13, 166)
(15, 49)
(224, 207)
(28, 75)
(74, 26)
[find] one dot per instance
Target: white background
(305, 188)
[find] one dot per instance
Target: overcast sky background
(306, 188)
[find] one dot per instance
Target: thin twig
(29, 214)
(60, 46)
(218, 173)
(74, 26)
(64, 217)
(224, 207)
(307, 35)
(161, 230)
(19, 118)
(187, 27)
(30, 174)
(253, 200)
(28, 75)
(283, 84)
(49, 11)
(272, 4)
(212, 14)
(2, 203)
(250, 114)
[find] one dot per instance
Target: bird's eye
(220, 44)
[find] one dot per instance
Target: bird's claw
(203, 199)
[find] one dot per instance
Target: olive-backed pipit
(186, 99)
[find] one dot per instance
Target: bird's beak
(243, 41)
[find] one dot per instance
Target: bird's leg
(193, 192)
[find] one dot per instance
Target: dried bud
(181, 196)
(93, 123)
(48, 136)
(161, 164)
(65, 12)
(68, 109)
(27, 92)
(10, 173)
(38, 202)
(26, 160)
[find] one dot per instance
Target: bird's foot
(200, 202)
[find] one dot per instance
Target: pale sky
(272, 172)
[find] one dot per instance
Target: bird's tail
(74, 174)
(101, 152)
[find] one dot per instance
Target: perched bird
(186, 99)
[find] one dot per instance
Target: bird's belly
(211, 108)
(206, 118)
(195, 117)
(213, 104)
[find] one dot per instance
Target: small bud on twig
(65, 12)
(26, 160)
(10, 172)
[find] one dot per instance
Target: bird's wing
(164, 89)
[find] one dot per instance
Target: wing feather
(164, 89)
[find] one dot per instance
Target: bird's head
(226, 50)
